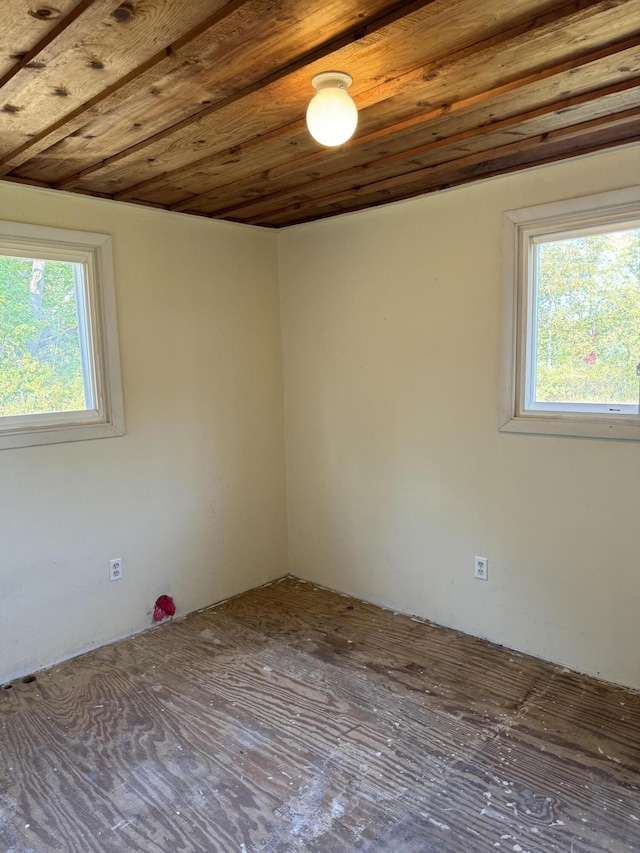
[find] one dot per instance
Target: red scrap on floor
(164, 607)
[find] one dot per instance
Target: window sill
(620, 429)
(59, 435)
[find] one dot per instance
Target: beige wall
(397, 475)
(193, 496)
(396, 472)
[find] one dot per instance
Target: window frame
(521, 228)
(94, 251)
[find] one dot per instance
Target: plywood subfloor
(296, 719)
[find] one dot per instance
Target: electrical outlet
(115, 569)
(481, 569)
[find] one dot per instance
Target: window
(59, 364)
(571, 347)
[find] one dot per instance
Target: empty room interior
(320, 426)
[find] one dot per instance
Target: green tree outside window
(588, 319)
(40, 354)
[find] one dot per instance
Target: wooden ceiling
(198, 105)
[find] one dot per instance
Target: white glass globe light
(332, 116)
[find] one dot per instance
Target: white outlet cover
(115, 569)
(481, 568)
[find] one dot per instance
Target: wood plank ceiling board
(95, 49)
(536, 151)
(273, 137)
(296, 175)
(248, 158)
(212, 68)
(199, 107)
(377, 64)
(442, 153)
(179, 148)
(272, 102)
(30, 25)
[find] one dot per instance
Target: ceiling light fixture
(332, 116)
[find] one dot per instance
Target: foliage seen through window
(588, 319)
(41, 358)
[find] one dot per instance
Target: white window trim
(94, 251)
(519, 228)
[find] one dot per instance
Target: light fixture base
(331, 80)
